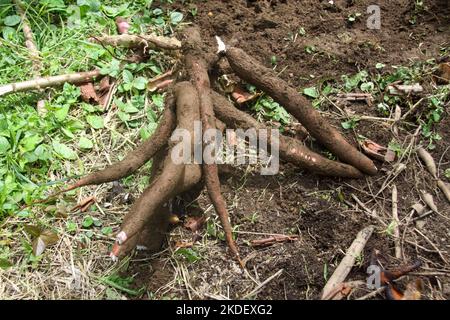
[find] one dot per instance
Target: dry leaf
(373, 149)
(84, 204)
(45, 239)
(241, 96)
(194, 223)
(88, 93)
(183, 244)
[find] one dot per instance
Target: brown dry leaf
(195, 223)
(88, 93)
(390, 155)
(105, 84)
(444, 72)
(241, 96)
(45, 239)
(373, 149)
(84, 204)
(33, 231)
(183, 244)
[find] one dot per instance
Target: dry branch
(132, 41)
(348, 261)
(29, 38)
(397, 240)
(266, 80)
(45, 82)
(291, 149)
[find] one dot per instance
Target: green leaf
(5, 264)
(64, 151)
(123, 116)
(190, 254)
(11, 21)
(85, 143)
(140, 83)
(8, 33)
(367, 86)
(127, 76)
(96, 122)
(4, 145)
(88, 221)
(61, 113)
(311, 92)
(71, 226)
(176, 17)
(447, 173)
(30, 143)
(107, 231)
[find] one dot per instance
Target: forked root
(291, 150)
(172, 179)
(265, 79)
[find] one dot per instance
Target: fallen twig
(130, 41)
(272, 240)
(38, 83)
(398, 249)
(343, 269)
(258, 288)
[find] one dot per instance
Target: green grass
(37, 145)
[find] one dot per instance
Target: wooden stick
(258, 288)
(29, 39)
(348, 261)
(130, 41)
(398, 249)
(38, 83)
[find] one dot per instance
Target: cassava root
(265, 79)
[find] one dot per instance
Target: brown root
(138, 157)
(171, 179)
(197, 68)
(265, 79)
(291, 149)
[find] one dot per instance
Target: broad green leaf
(61, 113)
(30, 143)
(88, 221)
(11, 21)
(140, 83)
(4, 145)
(5, 264)
(96, 122)
(107, 231)
(176, 17)
(127, 76)
(64, 151)
(311, 92)
(85, 143)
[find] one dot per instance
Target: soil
(295, 202)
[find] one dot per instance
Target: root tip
(121, 237)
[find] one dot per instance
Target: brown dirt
(295, 202)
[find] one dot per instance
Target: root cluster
(192, 99)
